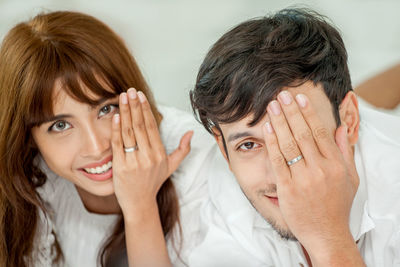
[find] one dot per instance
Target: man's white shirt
(236, 235)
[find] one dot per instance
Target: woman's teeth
(99, 170)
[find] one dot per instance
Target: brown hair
(73, 48)
(249, 65)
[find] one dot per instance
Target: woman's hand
(140, 167)
(140, 163)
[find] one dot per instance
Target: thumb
(176, 157)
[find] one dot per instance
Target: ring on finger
(130, 149)
(293, 161)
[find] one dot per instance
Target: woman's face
(76, 142)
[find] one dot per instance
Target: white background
(169, 38)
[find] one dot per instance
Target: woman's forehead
(62, 90)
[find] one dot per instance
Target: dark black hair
(249, 65)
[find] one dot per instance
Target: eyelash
(255, 146)
(52, 127)
(109, 105)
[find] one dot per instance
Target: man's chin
(282, 230)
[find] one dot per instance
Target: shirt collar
(360, 221)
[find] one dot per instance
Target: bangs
(83, 78)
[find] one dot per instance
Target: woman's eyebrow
(101, 101)
(55, 118)
(66, 116)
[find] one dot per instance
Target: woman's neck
(98, 204)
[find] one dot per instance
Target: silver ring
(293, 161)
(130, 149)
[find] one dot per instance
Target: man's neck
(306, 255)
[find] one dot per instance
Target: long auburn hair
(72, 47)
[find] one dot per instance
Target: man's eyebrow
(238, 135)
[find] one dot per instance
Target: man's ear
(220, 141)
(350, 117)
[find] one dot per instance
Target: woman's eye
(60, 126)
(248, 146)
(107, 109)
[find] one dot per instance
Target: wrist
(141, 212)
(338, 251)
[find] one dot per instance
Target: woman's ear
(349, 116)
(219, 138)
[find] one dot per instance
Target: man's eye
(248, 146)
(107, 109)
(60, 126)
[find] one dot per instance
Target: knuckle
(339, 171)
(115, 143)
(278, 160)
(271, 142)
(319, 173)
(124, 168)
(140, 126)
(302, 136)
(152, 126)
(321, 133)
(289, 148)
(148, 160)
(127, 131)
(306, 185)
(160, 158)
(146, 106)
(291, 112)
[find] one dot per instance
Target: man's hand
(316, 193)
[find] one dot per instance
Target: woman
(382, 90)
(66, 113)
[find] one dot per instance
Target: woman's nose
(95, 143)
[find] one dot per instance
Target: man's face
(248, 158)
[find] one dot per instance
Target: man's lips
(274, 200)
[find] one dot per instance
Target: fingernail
(274, 107)
(285, 97)
(132, 93)
(116, 118)
(301, 100)
(269, 127)
(124, 98)
(142, 97)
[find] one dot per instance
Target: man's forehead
(315, 93)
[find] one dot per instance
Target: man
(276, 94)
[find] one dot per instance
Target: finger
(151, 126)
(278, 162)
(298, 126)
(128, 136)
(177, 156)
(138, 124)
(285, 139)
(324, 140)
(116, 140)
